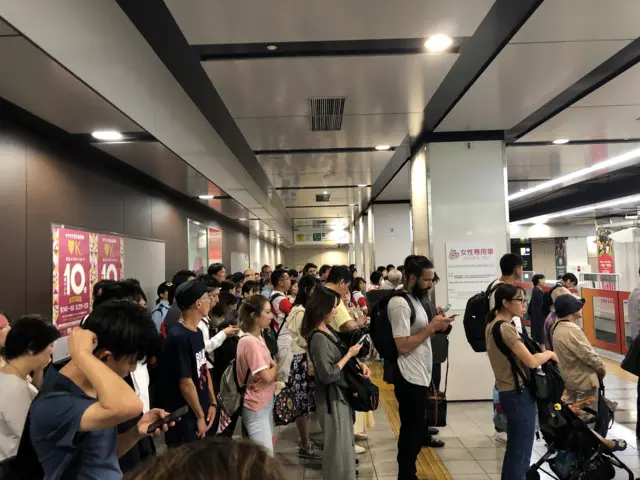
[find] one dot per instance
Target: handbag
(437, 404)
(284, 410)
(631, 362)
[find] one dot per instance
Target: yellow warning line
(429, 465)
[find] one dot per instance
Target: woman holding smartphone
(517, 402)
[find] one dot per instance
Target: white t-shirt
(16, 396)
(415, 366)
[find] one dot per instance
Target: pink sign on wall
(110, 256)
(71, 277)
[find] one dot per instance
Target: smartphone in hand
(172, 417)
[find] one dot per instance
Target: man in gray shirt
(412, 374)
(633, 305)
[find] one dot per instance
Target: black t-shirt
(184, 357)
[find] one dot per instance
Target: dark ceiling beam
(302, 151)
(577, 142)
(501, 23)
(319, 206)
(155, 23)
(603, 73)
(325, 48)
(320, 187)
(617, 184)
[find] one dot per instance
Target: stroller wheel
(533, 475)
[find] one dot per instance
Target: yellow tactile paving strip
(613, 368)
(429, 465)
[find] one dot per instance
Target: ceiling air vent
(325, 113)
(323, 197)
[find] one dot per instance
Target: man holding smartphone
(412, 375)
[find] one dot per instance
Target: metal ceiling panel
(622, 90)
(35, 82)
(332, 169)
(342, 196)
(241, 21)
(371, 85)
(580, 20)
(6, 30)
(521, 79)
(357, 131)
(399, 188)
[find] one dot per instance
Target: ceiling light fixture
(560, 141)
(382, 148)
(206, 197)
(243, 219)
(580, 210)
(325, 193)
(604, 165)
(362, 185)
(272, 47)
(107, 135)
(438, 43)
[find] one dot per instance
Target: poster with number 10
(110, 253)
(71, 277)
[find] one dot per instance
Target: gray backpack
(231, 394)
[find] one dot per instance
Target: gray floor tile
(471, 476)
(454, 454)
(495, 453)
(456, 467)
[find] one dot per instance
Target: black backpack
(475, 316)
(545, 383)
(361, 393)
(381, 332)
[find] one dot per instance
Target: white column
(366, 248)
(357, 244)
(392, 233)
(420, 205)
(467, 202)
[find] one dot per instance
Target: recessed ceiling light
(362, 185)
(438, 43)
(325, 193)
(382, 147)
(561, 141)
(242, 219)
(107, 135)
(272, 47)
(206, 197)
(605, 165)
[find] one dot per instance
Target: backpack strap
(403, 294)
(555, 325)
(506, 351)
(493, 286)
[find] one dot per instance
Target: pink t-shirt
(253, 354)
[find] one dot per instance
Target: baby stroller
(574, 451)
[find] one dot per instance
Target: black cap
(237, 277)
(164, 286)
(567, 304)
(190, 292)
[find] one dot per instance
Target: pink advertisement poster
(110, 253)
(71, 277)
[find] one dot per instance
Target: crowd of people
(117, 378)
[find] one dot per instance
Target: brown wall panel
(42, 183)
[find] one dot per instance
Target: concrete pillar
(392, 233)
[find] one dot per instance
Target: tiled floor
(471, 452)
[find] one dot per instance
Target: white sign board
(471, 266)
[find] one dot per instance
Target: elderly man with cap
(186, 378)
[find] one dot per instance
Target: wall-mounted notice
(471, 266)
(215, 245)
(71, 277)
(80, 259)
(110, 256)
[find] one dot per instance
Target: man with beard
(412, 376)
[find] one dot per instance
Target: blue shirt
(159, 313)
(54, 429)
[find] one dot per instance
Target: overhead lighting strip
(604, 165)
(580, 210)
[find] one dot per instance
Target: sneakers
(360, 437)
(360, 450)
(312, 452)
(500, 437)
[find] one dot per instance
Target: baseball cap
(163, 287)
(190, 292)
(566, 304)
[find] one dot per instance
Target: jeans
(412, 407)
(638, 410)
(259, 425)
(520, 410)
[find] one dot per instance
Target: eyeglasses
(520, 299)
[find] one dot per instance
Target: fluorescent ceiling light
(107, 135)
(438, 43)
(604, 165)
(271, 47)
(243, 219)
(561, 141)
(580, 210)
(325, 193)
(206, 197)
(382, 148)
(362, 185)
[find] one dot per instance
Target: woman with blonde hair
(257, 370)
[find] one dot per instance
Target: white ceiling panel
(6, 29)
(523, 78)
(281, 87)
(579, 20)
(40, 85)
(400, 187)
(329, 169)
(339, 196)
(249, 21)
(357, 131)
(320, 212)
(589, 123)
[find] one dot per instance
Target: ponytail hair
(503, 292)
(249, 311)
